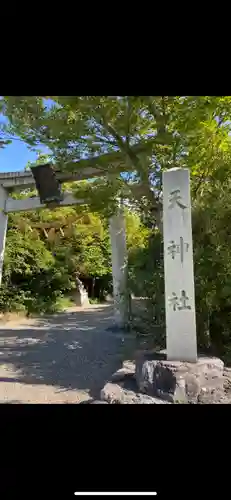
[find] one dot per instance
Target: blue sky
(15, 157)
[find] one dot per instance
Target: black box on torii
(48, 186)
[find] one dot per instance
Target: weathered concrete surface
(183, 382)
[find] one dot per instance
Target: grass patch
(95, 301)
(63, 303)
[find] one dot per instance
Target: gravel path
(61, 359)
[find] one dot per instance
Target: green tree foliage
(137, 233)
(143, 136)
(42, 159)
(212, 257)
(46, 248)
(211, 218)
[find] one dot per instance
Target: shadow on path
(70, 350)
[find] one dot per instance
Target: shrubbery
(212, 266)
(39, 271)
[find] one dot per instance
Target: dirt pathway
(61, 359)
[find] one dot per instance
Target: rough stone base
(227, 380)
(180, 382)
(122, 389)
(92, 401)
(117, 394)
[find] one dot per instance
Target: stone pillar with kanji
(178, 266)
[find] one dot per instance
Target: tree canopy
(46, 248)
(138, 135)
(131, 140)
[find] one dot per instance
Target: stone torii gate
(183, 377)
(14, 180)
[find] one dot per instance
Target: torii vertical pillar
(3, 227)
(117, 230)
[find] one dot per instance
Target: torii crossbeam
(12, 180)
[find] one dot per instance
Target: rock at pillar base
(180, 382)
(117, 394)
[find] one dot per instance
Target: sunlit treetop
(141, 135)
